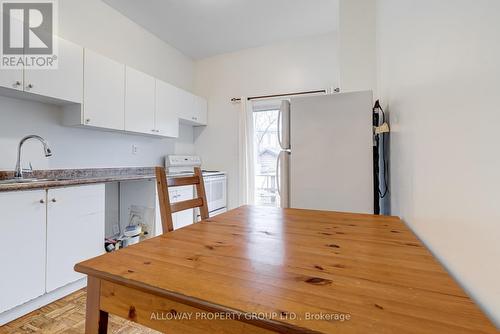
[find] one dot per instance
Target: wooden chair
(167, 208)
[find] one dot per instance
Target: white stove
(185, 164)
(215, 181)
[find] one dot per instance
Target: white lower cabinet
(22, 249)
(75, 231)
(45, 233)
(179, 194)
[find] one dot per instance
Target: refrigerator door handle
(283, 126)
(279, 129)
(278, 173)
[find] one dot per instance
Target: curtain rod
(235, 99)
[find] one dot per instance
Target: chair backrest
(167, 208)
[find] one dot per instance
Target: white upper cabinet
(12, 79)
(67, 217)
(99, 92)
(200, 110)
(23, 257)
(64, 83)
(167, 106)
(186, 104)
(104, 92)
(193, 109)
(139, 102)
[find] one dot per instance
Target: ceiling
(204, 28)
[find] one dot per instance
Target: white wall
(439, 70)
(95, 25)
(357, 50)
(75, 147)
(358, 63)
(303, 64)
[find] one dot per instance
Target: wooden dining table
(268, 270)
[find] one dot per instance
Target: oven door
(215, 188)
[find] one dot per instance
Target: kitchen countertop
(69, 177)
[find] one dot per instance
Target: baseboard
(41, 301)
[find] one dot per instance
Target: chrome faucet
(19, 171)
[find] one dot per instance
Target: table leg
(96, 321)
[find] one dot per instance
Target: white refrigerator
(326, 162)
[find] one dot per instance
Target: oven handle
(214, 178)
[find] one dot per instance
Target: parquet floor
(67, 315)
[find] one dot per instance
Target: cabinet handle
(42, 201)
(53, 200)
(17, 83)
(87, 121)
(30, 86)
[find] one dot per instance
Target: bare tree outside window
(267, 149)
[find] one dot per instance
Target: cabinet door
(173, 194)
(12, 79)
(186, 106)
(186, 217)
(200, 110)
(104, 92)
(75, 231)
(65, 82)
(167, 106)
(193, 109)
(22, 247)
(139, 102)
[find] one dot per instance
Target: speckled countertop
(68, 177)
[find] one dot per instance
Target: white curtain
(246, 153)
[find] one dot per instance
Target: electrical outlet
(135, 149)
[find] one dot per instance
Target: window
(267, 149)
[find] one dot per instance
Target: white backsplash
(77, 147)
